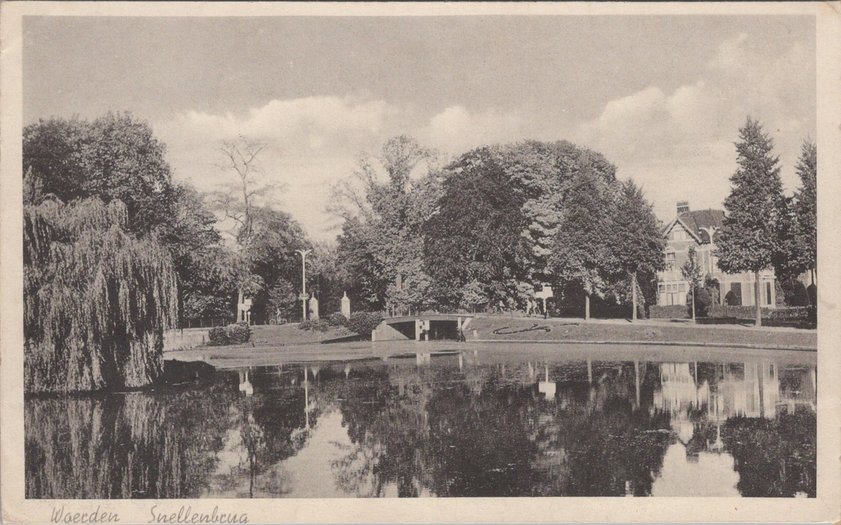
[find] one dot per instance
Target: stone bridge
(423, 327)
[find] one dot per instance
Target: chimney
(682, 207)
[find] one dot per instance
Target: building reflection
(751, 389)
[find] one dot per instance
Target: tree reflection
(490, 436)
(774, 458)
(126, 446)
(444, 426)
(269, 426)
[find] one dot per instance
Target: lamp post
(304, 281)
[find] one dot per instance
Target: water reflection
(534, 424)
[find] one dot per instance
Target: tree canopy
(495, 221)
(115, 156)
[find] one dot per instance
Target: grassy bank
(652, 332)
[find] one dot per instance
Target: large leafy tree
(797, 235)
(96, 298)
(112, 157)
(754, 210)
(475, 237)
(205, 289)
(269, 256)
(117, 157)
(384, 205)
(583, 255)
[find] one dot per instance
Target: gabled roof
(698, 219)
(695, 221)
(678, 220)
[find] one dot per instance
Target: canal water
(464, 421)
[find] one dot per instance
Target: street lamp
(303, 296)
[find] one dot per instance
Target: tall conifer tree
(753, 210)
(639, 244)
(806, 207)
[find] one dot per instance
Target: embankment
(535, 330)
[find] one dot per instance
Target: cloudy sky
(662, 97)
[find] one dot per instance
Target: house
(700, 229)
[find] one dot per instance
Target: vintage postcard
(420, 262)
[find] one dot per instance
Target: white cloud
(679, 144)
(311, 142)
(455, 129)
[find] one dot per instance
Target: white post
(304, 282)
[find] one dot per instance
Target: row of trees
(480, 231)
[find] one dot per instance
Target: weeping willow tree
(96, 299)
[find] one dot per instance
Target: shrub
(703, 302)
(795, 292)
(315, 325)
(218, 336)
(238, 333)
(800, 316)
(739, 312)
(363, 322)
(229, 335)
(800, 313)
(337, 319)
(731, 299)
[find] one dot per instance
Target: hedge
(794, 313)
(676, 311)
(722, 314)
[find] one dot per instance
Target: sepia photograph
(402, 253)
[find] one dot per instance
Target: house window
(670, 261)
(768, 293)
(678, 234)
(671, 293)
